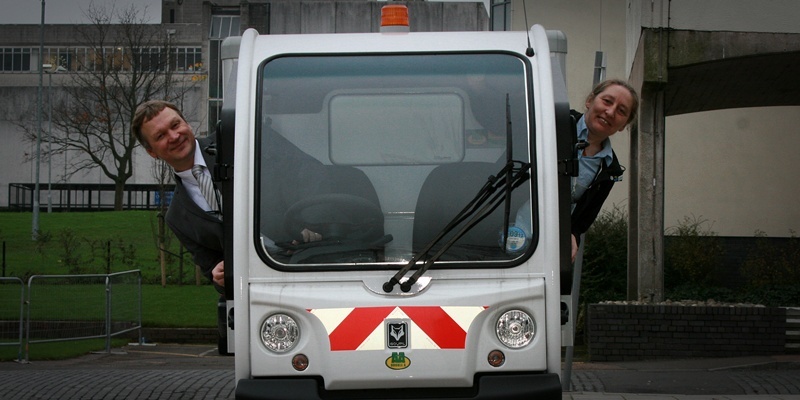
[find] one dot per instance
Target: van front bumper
(507, 387)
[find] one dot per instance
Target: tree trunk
(161, 254)
(119, 195)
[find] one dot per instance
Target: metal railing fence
(89, 196)
(77, 307)
(11, 313)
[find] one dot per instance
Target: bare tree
(162, 173)
(126, 63)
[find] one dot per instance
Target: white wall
(734, 168)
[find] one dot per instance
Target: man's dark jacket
(198, 231)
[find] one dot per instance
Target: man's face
(608, 112)
(170, 138)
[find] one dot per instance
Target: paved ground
(776, 377)
(197, 372)
(132, 372)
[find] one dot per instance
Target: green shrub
(69, 246)
(691, 258)
(770, 266)
(784, 295)
(605, 258)
(694, 291)
(694, 253)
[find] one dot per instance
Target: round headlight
(280, 333)
(515, 329)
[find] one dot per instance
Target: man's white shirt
(190, 182)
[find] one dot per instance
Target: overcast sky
(68, 11)
(71, 11)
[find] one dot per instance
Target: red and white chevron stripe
(431, 327)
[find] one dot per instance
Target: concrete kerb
(178, 335)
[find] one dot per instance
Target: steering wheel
(336, 216)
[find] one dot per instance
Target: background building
(193, 31)
(730, 166)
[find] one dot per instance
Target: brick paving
(768, 382)
(761, 377)
(101, 384)
(134, 372)
(197, 372)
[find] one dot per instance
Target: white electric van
(434, 168)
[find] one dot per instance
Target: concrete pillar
(646, 204)
(646, 219)
(633, 216)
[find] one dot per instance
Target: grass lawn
(90, 242)
(96, 243)
(179, 306)
(167, 307)
(81, 240)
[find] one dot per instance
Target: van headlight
(515, 329)
(279, 333)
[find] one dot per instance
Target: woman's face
(607, 113)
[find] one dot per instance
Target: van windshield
(364, 159)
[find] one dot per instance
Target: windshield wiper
(509, 178)
(484, 203)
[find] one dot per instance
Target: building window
(223, 26)
(149, 60)
(91, 59)
(16, 59)
(186, 59)
(501, 15)
(181, 59)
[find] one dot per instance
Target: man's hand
(574, 247)
(218, 274)
(309, 236)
